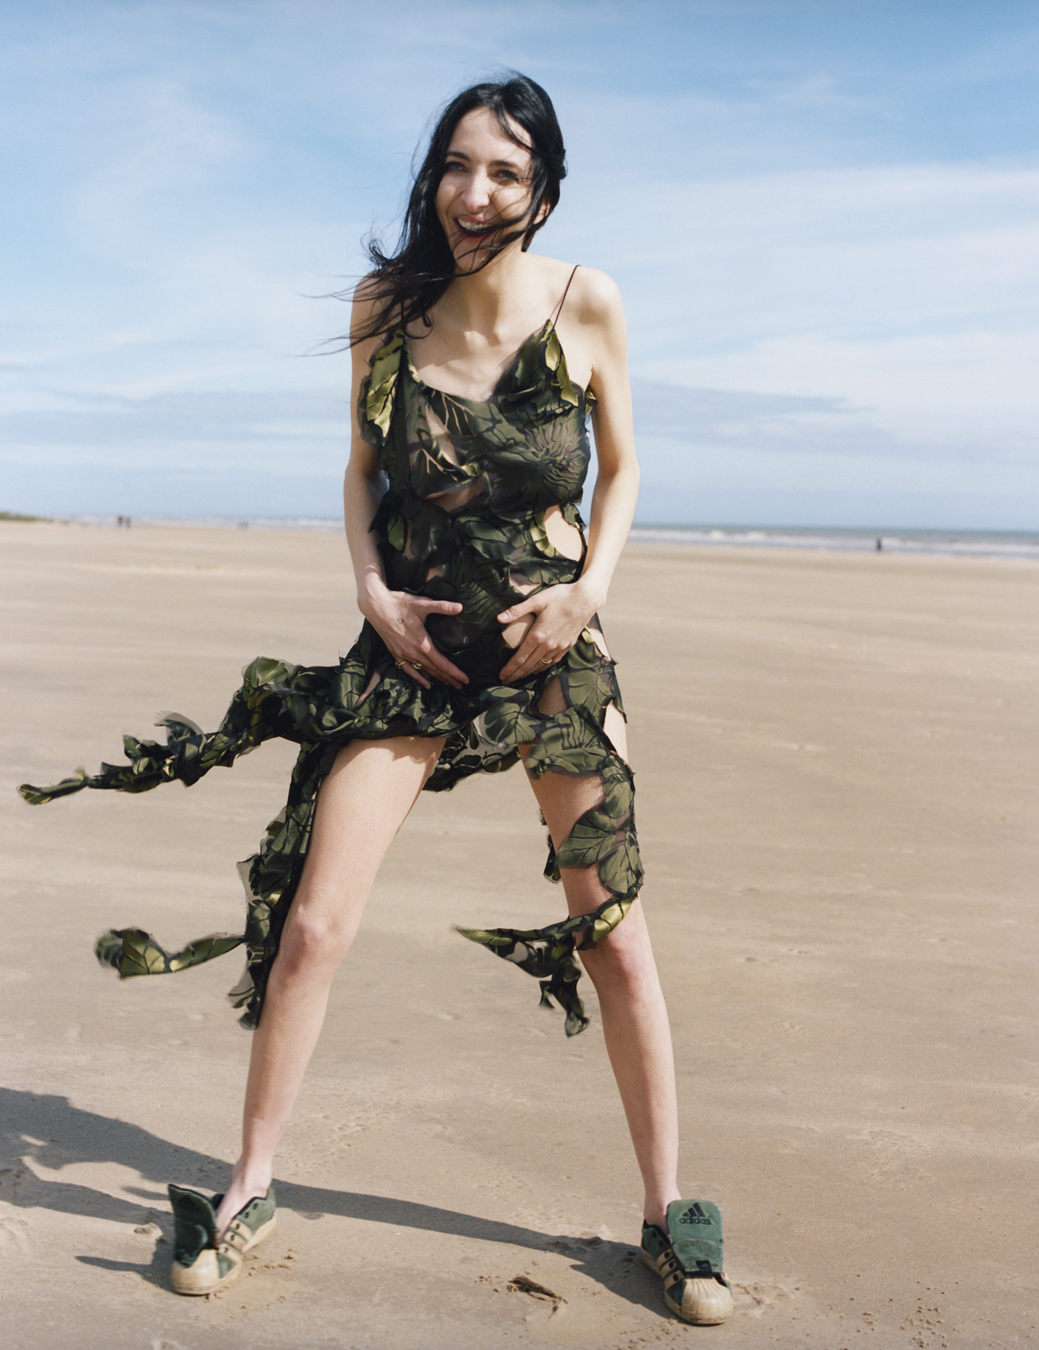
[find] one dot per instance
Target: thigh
(625, 953)
(360, 807)
(552, 703)
(564, 799)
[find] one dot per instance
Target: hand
(558, 617)
(400, 620)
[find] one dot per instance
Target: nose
(477, 193)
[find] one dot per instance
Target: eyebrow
(507, 163)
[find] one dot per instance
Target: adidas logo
(694, 1214)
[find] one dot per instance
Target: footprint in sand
(757, 1298)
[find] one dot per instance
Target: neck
(485, 300)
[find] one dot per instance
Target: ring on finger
(545, 661)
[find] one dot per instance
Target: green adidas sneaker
(689, 1261)
(201, 1265)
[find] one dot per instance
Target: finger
(437, 664)
(414, 672)
(532, 606)
(437, 606)
(430, 662)
(430, 658)
(448, 674)
(526, 662)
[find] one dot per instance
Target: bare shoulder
(590, 324)
(365, 304)
(598, 314)
(591, 295)
(364, 310)
(596, 296)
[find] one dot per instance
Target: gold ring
(401, 665)
(417, 664)
(545, 661)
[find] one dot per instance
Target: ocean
(964, 543)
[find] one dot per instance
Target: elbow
(367, 481)
(624, 474)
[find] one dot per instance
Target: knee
(621, 961)
(313, 944)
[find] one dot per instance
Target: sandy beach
(836, 762)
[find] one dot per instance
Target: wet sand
(836, 759)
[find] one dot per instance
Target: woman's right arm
(398, 618)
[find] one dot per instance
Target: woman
(480, 646)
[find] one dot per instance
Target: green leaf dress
(463, 519)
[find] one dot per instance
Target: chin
(469, 259)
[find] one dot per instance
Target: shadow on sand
(41, 1131)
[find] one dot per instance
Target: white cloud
(287, 431)
(910, 293)
(160, 143)
(832, 302)
(964, 388)
(850, 251)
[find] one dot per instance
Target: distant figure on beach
(880, 544)
(476, 366)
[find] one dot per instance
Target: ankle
(655, 1210)
(254, 1179)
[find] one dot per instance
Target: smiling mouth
(475, 231)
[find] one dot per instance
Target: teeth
(471, 229)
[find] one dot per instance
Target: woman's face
(486, 182)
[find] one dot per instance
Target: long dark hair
(405, 285)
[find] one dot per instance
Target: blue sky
(824, 218)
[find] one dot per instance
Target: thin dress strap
(559, 307)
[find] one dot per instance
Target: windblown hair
(405, 285)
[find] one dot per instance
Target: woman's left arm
(561, 612)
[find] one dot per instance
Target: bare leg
(361, 805)
(634, 1017)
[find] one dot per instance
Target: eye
(508, 176)
(454, 166)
